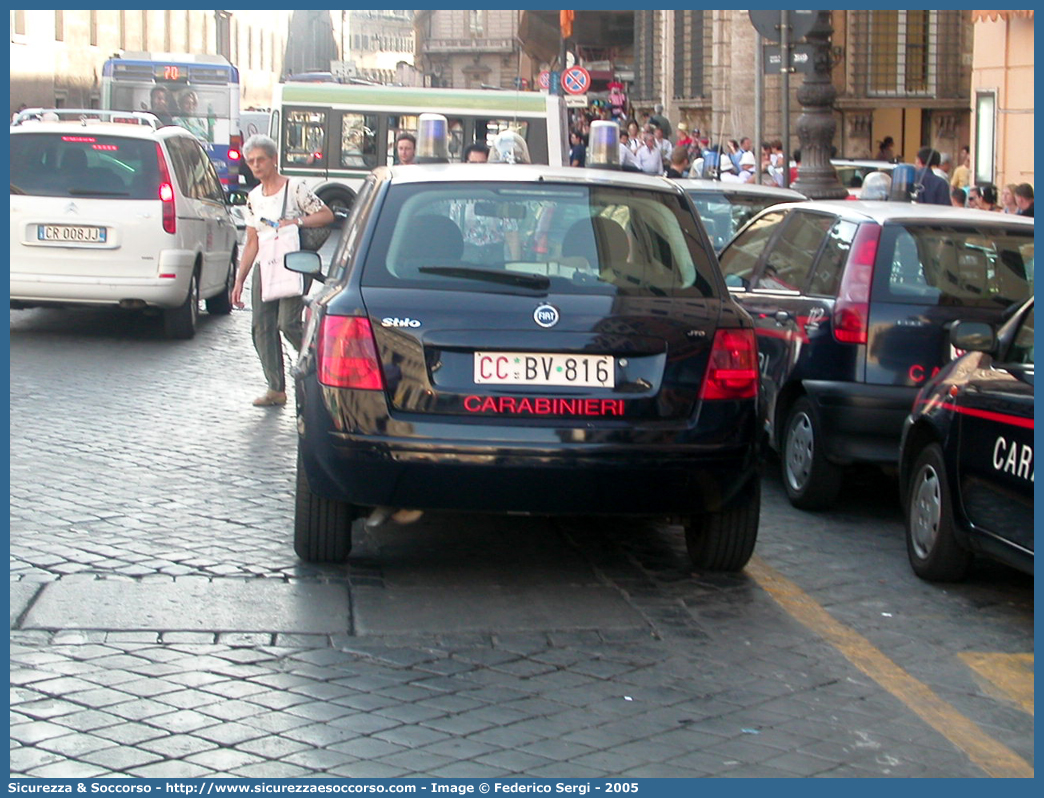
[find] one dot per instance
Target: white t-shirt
(300, 201)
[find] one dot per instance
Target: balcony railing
(473, 45)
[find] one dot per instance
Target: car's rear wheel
(322, 527)
(724, 540)
(180, 322)
(221, 303)
(933, 549)
(811, 481)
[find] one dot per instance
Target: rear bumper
(31, 284)
(608, 479)
(861, 423)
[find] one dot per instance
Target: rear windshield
(82, 164)
(965, 266)
(538, 237)
(723, 214)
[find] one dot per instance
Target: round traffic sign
(544, 80)
(766, 21)
(576, 80)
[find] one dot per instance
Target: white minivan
(110, 209)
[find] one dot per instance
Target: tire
(180, 322)
(935, 555)
(811, 481)
(337, 200)
(322, 527)
(724, 540)
(221, 304)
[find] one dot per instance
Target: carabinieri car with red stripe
(967, 454)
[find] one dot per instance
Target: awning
(993, 16)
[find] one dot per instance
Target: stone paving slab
(380, 611)
(194, 604)
(132, 507)
(22, 594)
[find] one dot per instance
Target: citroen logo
(71, 208)
(546, 315)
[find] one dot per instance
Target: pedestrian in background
(405, 148)
(1007, 201)
(962, 172)
(476, 153)
(886, 149)
(1024, 199)
(274, 202)
(578, 151)
(661, 121)
(649, 157)
(679, 164)
(988, 198)
(931, 189)
(957, 197)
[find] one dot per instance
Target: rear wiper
(537, 282)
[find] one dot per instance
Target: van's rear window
(958, 266)
(82, 164)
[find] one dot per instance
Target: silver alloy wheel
(925, 511)
(798, 455)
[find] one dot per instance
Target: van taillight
(347, 354)
(166, 193)
(235, 147)
(732, 371)
(852, 308)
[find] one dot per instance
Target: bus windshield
(197, 92)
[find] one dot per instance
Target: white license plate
(68, 232)
(544, 368)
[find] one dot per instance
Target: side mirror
(973, 336)
(305, 262)
(237, 196)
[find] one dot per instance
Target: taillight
(732, 371)
(166, 193)
(233, 155)
(852, 309)
(348, 354)
(235, 147)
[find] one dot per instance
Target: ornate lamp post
(816, 178)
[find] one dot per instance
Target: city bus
(332, 134)
(196, 91)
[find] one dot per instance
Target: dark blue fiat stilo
(526, 339)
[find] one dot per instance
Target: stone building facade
(906, 74)
(470, 49)
(57, 56)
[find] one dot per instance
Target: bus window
(303, 137)
(494, 127)
(358, 141)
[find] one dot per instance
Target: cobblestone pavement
(146, 490)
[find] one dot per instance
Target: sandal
(270, 399)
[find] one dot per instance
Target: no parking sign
(576, 80)
(544, 80)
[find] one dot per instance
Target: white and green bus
(333, 134)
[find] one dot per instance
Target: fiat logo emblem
(546, 315)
